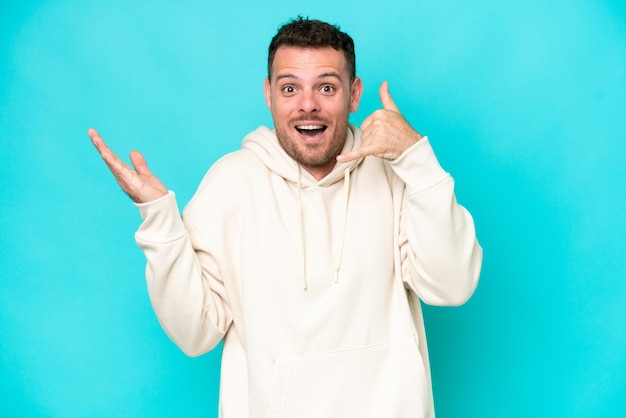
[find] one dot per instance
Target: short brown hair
(310, 33)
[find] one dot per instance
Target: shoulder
(224, 184)
(233, 169)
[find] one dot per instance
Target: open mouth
(311, 130)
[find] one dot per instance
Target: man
(307, 250)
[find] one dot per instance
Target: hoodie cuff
(161, 220)
(419, 168)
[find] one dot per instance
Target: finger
(367, 121)
(115, 164)
(354, 154)
(92, 132)
(385, 98)
(101, 146)
(96, 140)
(139, 162)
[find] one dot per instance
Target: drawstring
(346, 194)
(339, 255)
(301, 230)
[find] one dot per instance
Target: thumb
(139, 162)
(386, 99)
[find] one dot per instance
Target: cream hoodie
(313, 285)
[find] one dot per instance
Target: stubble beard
(306, 154)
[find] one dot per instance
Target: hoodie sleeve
(441, 257)
(184, 284)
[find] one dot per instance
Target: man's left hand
(385, 133)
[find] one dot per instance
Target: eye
(328, 89)
(288, 89)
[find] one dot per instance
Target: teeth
(310, 127)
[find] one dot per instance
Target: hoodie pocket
(383, 380)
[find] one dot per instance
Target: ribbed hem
(161, 220)
(419, 168)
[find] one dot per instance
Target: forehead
(308, 61)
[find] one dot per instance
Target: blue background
(525, 105)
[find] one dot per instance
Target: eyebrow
(332, 74)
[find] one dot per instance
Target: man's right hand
(139, 184)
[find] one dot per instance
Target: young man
(308, 250)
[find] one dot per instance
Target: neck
(319, 172)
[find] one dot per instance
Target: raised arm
(185, 288)
(441, 257)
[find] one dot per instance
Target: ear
(268, 93)
(355, 94)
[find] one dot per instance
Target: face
(310, 96)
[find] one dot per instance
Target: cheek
(281, 108)
(276, 110)
(340, 109)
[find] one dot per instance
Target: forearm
(441, 255)
(185, 290)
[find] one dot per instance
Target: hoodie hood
(264, 144)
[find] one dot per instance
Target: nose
(308, 102)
